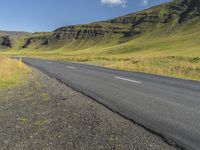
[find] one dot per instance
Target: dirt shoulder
(45, 114)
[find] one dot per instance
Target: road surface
(167, 106)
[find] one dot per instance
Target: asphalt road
(167, 106)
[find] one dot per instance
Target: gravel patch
(45, 114)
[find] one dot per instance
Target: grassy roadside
(10, 72)
(186, 67)
(174, 66)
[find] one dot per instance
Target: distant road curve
(168, 106)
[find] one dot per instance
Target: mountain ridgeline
(164, 18)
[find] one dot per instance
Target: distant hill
(8, 38)
(13, 33)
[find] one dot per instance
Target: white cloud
(144, 2)
(115, 2)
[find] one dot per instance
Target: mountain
(178, 19)
(123, 28)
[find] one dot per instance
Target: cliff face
(5, 42)
(184, 9)
(175, 12)
(178, 10)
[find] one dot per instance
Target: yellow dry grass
(175, 66)
(10, 71)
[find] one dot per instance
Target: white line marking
(70, 67)
(125, 79)
(49, 62)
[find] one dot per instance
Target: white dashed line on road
(70, 67)
(129, 80)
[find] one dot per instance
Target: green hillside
(164, 39)
(173, 22)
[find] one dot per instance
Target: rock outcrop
(5, 42)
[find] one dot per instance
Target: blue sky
(47, 15)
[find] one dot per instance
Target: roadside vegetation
(182, 67)
(174, 66)
(10, 72)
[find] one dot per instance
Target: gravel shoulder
(41, 113)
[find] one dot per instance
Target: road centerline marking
(70, 67)
(126, 79)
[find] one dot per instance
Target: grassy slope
(180, 41)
